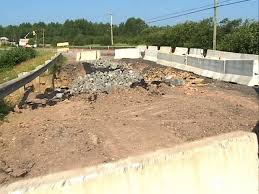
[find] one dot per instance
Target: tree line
(233, 35)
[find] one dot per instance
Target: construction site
(129, 97)
(107, 106)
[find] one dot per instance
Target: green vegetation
(8, 73)
(233, 35)
(12, 57)
(4, 109)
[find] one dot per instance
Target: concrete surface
(88, 56)
(153, 48)
(142, 48)
(230, 55)
(168, 59)
(239, 67)
(219, 165)
(181, 51)
(206, 64)
(63, 44)
(129, 53)
(151, 55)
(196, 51)
(165, 49)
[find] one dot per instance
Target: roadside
(7, 74)
(89, 129)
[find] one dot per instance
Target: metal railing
(13, 85)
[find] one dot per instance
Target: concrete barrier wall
(88, 56)
(151, 55)
(165, 49)
(230, 55)
(130, 53)
(197, 52)
(226, 164)
(142, 48)
(239, 67)
(181, 51)
(170, 59)
(206, 64)
(153, 48)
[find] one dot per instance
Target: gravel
(106, 75)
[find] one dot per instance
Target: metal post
(111, 30)
(215, 24)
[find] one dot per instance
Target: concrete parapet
(230, 55)
(206, 64)
(239, 67)
(181, 51)
(170, 59)
(153, 48)
(219, 165)
(88, 56)
(165, 49)
(129, 53)
(142, 48)
(197, 52)
(151, 55)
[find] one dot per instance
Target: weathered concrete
(196, 52)
(181, 51)
(63, 44)
(170, 59)
(239, 67)
(230, 55)
(165, 49)
(206, 64)
(129, 53)
(220, 165)
(142, 48)
(91, 55)
(153, 48)
(62, 50)
(151, 55)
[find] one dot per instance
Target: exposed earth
(87, 129)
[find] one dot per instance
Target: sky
(14, 12)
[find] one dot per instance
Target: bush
(15, 56)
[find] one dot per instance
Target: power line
(187, 10)
(200, 10)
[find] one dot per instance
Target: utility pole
(43, 37)
(111, 29)
(215, 24)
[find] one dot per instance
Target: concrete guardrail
(219, 165)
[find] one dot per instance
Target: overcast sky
(19, 11)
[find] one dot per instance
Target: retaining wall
(220, 165)
(130, 53)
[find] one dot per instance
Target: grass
(5, 108)
(7, 74)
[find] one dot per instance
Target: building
(4, 40)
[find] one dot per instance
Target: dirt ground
(92, 129)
